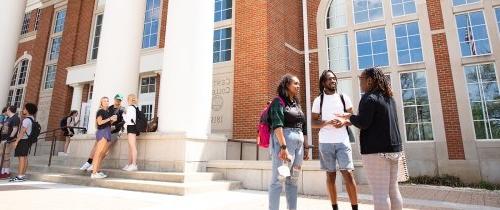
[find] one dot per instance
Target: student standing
(380, 139)
(334, 145)
(130, 118)
(22, 143)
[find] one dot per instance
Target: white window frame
(468, 97)
(222, 10)
(369, 19)
(405, 14)
(16, 75)
(49, 55)
(148, 85)
(220, 50)
(420, 38)
(49, 84)
(335, 14)
(26, 23)
(348, 52)
(458, 35)
(158, 32)
(54, 24)
(403, 107)
(371, 41)
(495, 11)
(466, 3)
(93, 35)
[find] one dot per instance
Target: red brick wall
(73, 52)
(312, 13)
(261, 30)
(250, 66)
(446, 84)
(39, 51)
(448, 98)
(163, 25)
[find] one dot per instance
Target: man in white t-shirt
(334, 145)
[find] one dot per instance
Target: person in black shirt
(116, 128)
(71, 121)
(288, 124)
(8, 134)
(103, 136)
(380, 139)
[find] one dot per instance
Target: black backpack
(63, 124)
(35, 131)
(141, 123)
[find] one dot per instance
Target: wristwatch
(283, 146)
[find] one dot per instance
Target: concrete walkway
(49, 196)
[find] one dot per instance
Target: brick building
(441, 57)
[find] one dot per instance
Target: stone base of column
(156, 152)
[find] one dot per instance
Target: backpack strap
(343, 102)
(321, 96)
(32, 122)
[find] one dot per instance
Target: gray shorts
(331, 153)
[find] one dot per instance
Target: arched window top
(19, 80)
(336, 16)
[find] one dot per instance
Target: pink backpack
(264, 126)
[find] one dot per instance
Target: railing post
(36, 145)
(52, 148)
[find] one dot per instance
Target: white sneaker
(85, 166)
(90, 168)
(126, 167)
(132, 167)
(102, 174)
(97, 176)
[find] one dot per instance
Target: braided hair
(282, 90)
(380, 82)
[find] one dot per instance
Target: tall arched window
(18, 83)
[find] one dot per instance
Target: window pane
(497, 12)
(410, 114)
(462, 2)
(472, 34)
(372, 48)
(484, 100)
(416, 106)
(426, 131)
(223, 10)
(412, 132)
(336, 16)
(480, 129)
(151, 17)
(222, 45)
(59, 23)
(338, 53)
(365, 11)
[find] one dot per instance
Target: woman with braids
(380, 139)
(288, 124)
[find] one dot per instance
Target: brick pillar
(445, 80)
(157, 94)
(39, 52)
(163, 25)
(73, 51)
(266, 26)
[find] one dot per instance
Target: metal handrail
(252, 142)
(54, 139)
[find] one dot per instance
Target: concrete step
(137, 185)
(139, 175)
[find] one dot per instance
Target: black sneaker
(17, 179)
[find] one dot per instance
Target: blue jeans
(294, 142)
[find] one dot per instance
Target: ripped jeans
(294, 143)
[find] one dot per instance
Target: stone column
(186, 83)
(11, 21)
(119, 52)
(76, 101)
